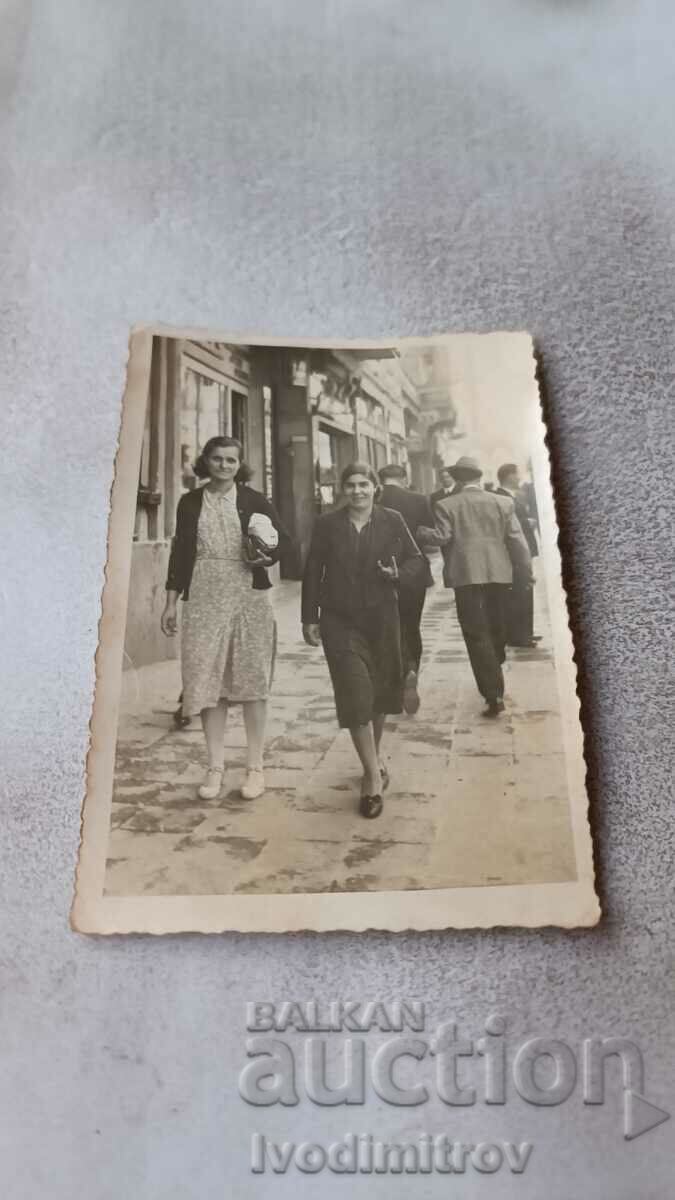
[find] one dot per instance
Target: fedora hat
(465, 466)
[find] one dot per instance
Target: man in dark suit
(485, 549)
(416, 512)
(448, 486)
(530, 501)
(520, 619)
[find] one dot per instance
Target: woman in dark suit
(357, 558)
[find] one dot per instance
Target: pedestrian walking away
(417, 514)
(449, 487)
(520, 615)
(359, 557)
(485, 548)
(227, 534)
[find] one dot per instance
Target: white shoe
(254, 785)
(213, 782)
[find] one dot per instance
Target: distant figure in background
(530, 497)
(485, 549)
(417, 514)
(448, 486)
(520, 618)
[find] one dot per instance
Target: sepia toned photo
(335, 683)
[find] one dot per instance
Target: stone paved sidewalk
(471, 802)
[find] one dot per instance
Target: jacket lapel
(242, 509)
(378, 537)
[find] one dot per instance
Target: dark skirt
(363, 652)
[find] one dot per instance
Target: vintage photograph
(335, 678)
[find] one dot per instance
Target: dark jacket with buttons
(327, 580)
(184, 544)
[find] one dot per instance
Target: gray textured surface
(349, 168)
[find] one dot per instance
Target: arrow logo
(640, 1115)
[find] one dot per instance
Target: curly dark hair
(201, 469)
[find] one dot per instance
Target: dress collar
(223, 497)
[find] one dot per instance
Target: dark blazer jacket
(523, 516)
(184, 544)
(441, 494)
(416, 511)
(329, 560)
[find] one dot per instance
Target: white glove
(261, 527)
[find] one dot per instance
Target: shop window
(144, 478)
(376, 453)
(146, 525)
(238, 419)
(327, 467)
(299, 372)
(203, 415)
(268, 463)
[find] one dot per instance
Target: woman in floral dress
(226, 536)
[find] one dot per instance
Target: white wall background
(328, 167)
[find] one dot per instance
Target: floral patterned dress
(228, 636)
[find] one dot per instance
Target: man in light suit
(484, 546)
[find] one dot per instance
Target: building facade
(301, 414)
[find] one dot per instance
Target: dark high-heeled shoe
(370, 806)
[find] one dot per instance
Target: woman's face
(223, 463)
(359, 491)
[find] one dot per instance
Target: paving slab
(471, 801)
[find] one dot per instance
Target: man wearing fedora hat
(484, 547)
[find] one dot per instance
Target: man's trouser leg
(520, 624)
(474, 619)
(411, 604)
(497, 599)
